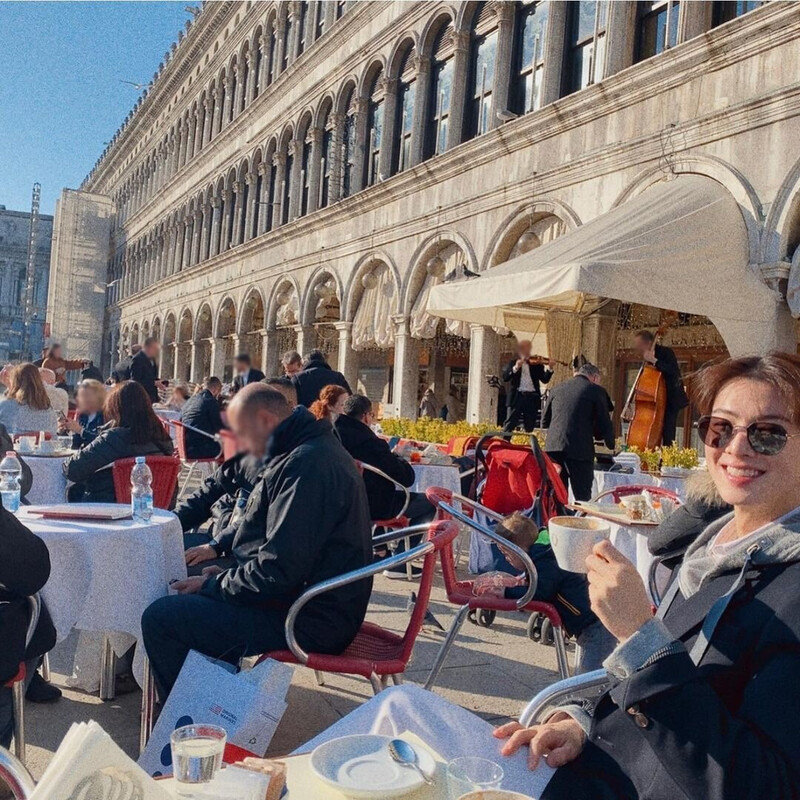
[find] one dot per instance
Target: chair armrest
(343, 580)
(197, 430)
(593, 683)
(380, 473)
(394, 536)
(526, 560)
(15, 775)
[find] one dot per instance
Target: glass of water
(196, 754)
(469, 773)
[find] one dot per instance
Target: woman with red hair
(330, 403)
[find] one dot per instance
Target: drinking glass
(196, 754)
(470, 773)
(64, 442)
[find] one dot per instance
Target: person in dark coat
(315, 375)
(131, 429)
(245, 372)
(703, 697)
(576, 410)
(664, 360)
(202, 411)
(122, 370)
(24, 570)
(222, 498)
(525, 392)
(306, 521)
(144, 369)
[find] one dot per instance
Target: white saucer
(360, 766)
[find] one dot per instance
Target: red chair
(165, 471)
(17, 683)
(399, 520)
(230, 447)
(460, 592)
(375, 653)
(180, 443)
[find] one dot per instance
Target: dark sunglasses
(766, 438)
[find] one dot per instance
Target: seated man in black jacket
(306, 521)
(315, 375)
(202, 411)
(24, 570)
(385, 502)
(222, 498)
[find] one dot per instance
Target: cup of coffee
(572, 540)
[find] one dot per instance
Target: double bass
(648, 397)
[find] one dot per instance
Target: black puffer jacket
(90, 468)
(313, 378)
(24, 570)
(306, 521)
(232, 482)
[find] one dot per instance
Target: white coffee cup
(572, 540)
(26, 444)
(494, 794)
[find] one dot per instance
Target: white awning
(680, 245)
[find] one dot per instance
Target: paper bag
(248, 705)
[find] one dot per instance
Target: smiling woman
(704, 696)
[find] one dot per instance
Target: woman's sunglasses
(766, 438)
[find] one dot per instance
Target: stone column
(620, 36)
(554, 39)
(176, 361)
(197, 230)
(205, 232)
(306, 338)
(297, 33)
(280, 35)
(314, 138)
(348, 358)
(196, 362)
(238, 193)
(224, 239)
(264, 209)
(406, 370)
(179, 240)
(208, 120)
(188, 230)
(337, 167)
(263, 78)
(252, 77)
(199, 125)
(390, 111)
(191, 124)
(216, 204)
(218, 357)
(252, 199)
(295, 187)
(483, 356)
(423, 66)
(329, 10)
(461, 42)
(279, 161)
(270, 356)
(502, 67)
(362, 145)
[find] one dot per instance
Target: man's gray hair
(589, 371)
(258, 396)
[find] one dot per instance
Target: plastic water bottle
(141, 490)
(10, 474)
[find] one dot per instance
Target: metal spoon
(403, 753)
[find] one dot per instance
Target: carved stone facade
(268, 161)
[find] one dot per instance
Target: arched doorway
(251, 327)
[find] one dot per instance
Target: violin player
(525, 374)
(664, 360)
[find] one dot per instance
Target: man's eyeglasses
(766, 438)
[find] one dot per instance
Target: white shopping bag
(248, 705)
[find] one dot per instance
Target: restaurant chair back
(180, 429)
(165, 471)
(459, 593)
(230, 447)
(377, 654)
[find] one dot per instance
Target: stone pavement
(491, 671)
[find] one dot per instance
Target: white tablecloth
(105, 574)
(428, 475)
(49, 484)
(603, 481)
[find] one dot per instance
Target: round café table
(49, 484)
(105, 574)
(427, 475)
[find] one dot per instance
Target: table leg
(108, 671)
(148, 705)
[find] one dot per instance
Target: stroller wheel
(547, 636)
(534, 627)
(483, 618)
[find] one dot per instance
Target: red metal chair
(376, 653)
(180, 444)
(230, 447)
(165, 471)
(460, 592)
(399, 520)
(17, 683)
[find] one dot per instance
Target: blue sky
(60, 93)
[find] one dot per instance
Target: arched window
(201, 123)
(258, 43)
(349, 145)
(440, 93)
(223, 91)
(326, 160)
(258, 188)
(287, 42)
(244, 188)
(528, 64)
(272, 66)
(374, 131)
(230, 216)
(586, 47)
(234, 77)
(273, 193)
(483, 57)
(212, 109)
(404, 114)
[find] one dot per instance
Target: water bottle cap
(10, 454)
(140, 459)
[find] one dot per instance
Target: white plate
(360, 766)
(676, 472)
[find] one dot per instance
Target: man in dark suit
(576, 409)
(525, 395)
(144, 369)
(664, 360)
(315, 375)
(245, 372)
(122, 371)
(202, 411)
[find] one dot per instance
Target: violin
(534, 360)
